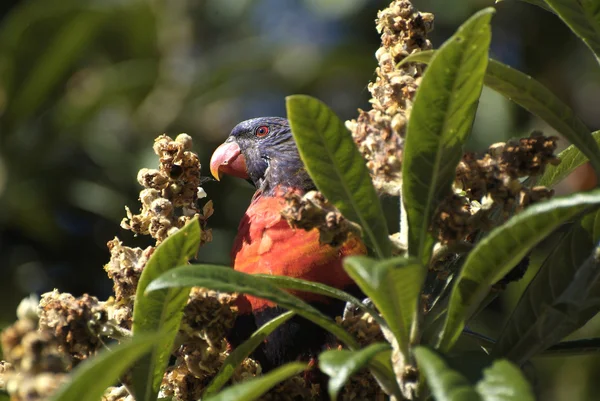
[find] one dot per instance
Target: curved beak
(228, 159)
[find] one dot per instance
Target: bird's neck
(282, 175)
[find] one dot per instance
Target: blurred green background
(86, 85)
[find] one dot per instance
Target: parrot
(263, 152)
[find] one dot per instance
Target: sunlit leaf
(161, 310)
(340, 365)
(535, 98)
(242, 351)
(337, 167)
(252, 389)
(445, 384)
(571, 158)
(439, 124)
(292, 283)
(93, 376)
(501, 250)
(503, 381)
(394, 286)
(225, 279)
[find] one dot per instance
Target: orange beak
(228, 159)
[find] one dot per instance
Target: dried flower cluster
(379, 132)
(34, 365)
(52, 337)
(75, 323)
(312, 210)
(170, 194)
(208, 317)
(490, 183)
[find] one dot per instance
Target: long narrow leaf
(225, 279)
(340, 365)
(501, 250)
(382, 369)
(337, 167)
(161, 310)
(570, 159)
(90, 379)
(242, 351)
(583, 17)
(440, 122)
(446, 384)
(535, 98)
(292, 283)
(561, 297)
(253, 389)
(394, 286)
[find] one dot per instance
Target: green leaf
(539, 3)
(574, 348)
(93, 376)
(254, 388)
(583, 17)
(446, 384)
(535, 98)
(225, 279)
(501, 250)
(571, 158)
(337, 167)
(292, 283)
(394, 286)
(503, 381)
(241, 352)
(439, 124)
(559, 299)
(382, 369)
(161, 310)
(340, 365)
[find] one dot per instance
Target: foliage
(444, 273)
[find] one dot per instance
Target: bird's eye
(261, 131)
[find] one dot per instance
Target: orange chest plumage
(266, 244)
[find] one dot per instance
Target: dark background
(86, 86)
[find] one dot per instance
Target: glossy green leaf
(382, 369)
(501, 250)
(292, 283)
(225, 279)
(560, 298)
(503, 381)
(535, 98)
(252, 389)
(439, 124)
(161, 310)
(445, 384)
(539, 3)
(340, 365)
(93, 376)
(583, 17)
(337, 167)
(394, 286)
(571, 158)
(241, 352)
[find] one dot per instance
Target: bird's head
(263, 151)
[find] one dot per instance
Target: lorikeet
(263, 151)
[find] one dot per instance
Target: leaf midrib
(432, 188)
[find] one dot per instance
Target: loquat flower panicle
(380, 132)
